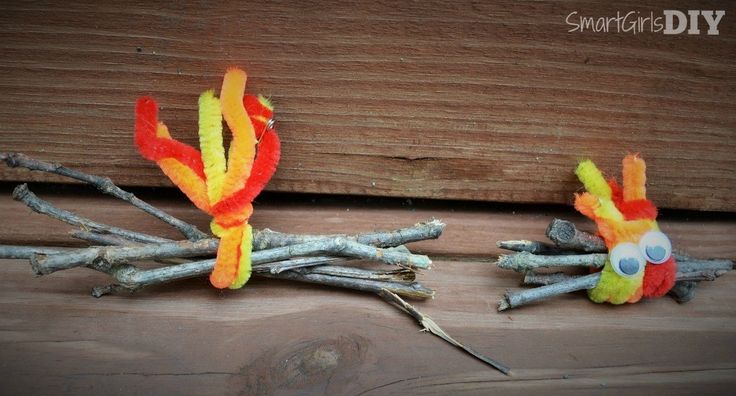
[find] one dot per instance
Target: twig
(413, 290)
(132, 278)
(23, 194)
(513, 299)
(534, 278)
(706, 270)
(286, 265)
(106, 186)
(45, 264)
(102, 239)
(400, 275)
(432, 327)
(524, 261)
(265, 239)
(25, 252)
(534, 247)
(566, 236)
(683, 291)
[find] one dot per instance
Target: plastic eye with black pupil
(627, 260)
(656, 247)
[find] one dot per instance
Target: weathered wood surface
(275, 337)
(435, 99)
(284, 338)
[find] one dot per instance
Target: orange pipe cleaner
(640, 261)
(222, 188)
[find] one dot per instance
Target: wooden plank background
(441, 99)
(275, 337)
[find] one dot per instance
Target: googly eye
(656, 247)
(627, 260)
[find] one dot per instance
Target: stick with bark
(575, 248)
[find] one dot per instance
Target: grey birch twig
(97, 238)
(432, 229)
(524, 261)
(132, 278)
(700, 270)
(399, 275)
(683, 291)
(566, 236)
(23, 194)
(43, 264)
(106, 186)
(534, 247)
(413, 290)
(25, 252)
(513, 299)
(535, 278)
(432, 327)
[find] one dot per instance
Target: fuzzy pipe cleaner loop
(222, 187)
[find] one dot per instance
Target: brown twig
(106, 186)
(432, 327)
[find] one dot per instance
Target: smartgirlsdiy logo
(668, 22)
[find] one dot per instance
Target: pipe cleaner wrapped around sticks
(630, 258)
(223, 188)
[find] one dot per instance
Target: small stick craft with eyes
(638, 260)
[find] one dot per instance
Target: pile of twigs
(575, 248)
(319, 259)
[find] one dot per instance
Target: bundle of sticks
(573, 248)
(318, 259)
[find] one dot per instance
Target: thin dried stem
(432, 229)
(524, 261)
(25, 252)
(23, 194)
(434, 328)
(97, 238)
(534, 247)
(513, 299)
(534, 278)
(399, 275)
(412, 290)
(45, 264)
(106, 186)
(698, 270)
(566, 236)
(132, 278)
(278, 267)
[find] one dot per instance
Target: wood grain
(459, 100)
(282, 338)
